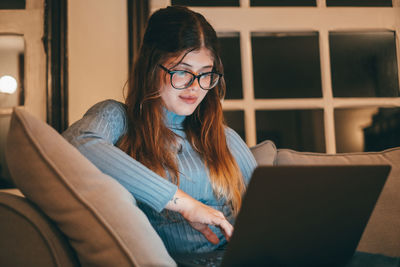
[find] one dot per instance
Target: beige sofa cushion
(382, 234)
(96, 213)
(264, 153)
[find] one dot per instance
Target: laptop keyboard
(210, 259)
(209, 262)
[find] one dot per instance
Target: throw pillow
(96, 213)
(264, 153)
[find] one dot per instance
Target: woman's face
(185, 101)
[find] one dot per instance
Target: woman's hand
(200, 216)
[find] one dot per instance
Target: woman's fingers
(211, 217)
(200, 216)
(207, 232)
(227, 229)
(219, 220)
(225, 226)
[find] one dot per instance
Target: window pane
(12, 4)
(302, 130)
(364, 64)
(283, 3)
(367, 129)
(359, 2)
(235, 120)
(286, 65)
(206, 2)
(230, 55)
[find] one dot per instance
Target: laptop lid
(304, 215)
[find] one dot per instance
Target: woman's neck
(172, 120)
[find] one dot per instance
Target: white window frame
(321, 19)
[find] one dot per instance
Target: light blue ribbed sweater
(100, 129)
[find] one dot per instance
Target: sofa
(64, 212)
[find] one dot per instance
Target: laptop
(299, 216)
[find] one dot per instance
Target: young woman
(168, 145)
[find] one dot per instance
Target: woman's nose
(195, 85)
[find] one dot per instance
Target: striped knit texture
(95, 136)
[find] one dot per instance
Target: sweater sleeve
(241, 153)
(95, 136)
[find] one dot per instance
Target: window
(286, 65)
(283, 3)
(230, 55)
(316, 75)
(206, 2)
(375, 3)
(12, 4)
(235, 119)
(367, 128)
(301, 130)
(363, 64)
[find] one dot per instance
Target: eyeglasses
(182, 79)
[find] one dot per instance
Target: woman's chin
(184, 111)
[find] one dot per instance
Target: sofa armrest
(28, 237)
(13, 191)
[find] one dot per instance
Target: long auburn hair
(172, 32)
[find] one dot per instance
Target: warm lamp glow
(8, 84)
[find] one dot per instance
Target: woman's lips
(188, 99)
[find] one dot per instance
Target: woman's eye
(180, 73)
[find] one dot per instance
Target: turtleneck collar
(173, 121)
